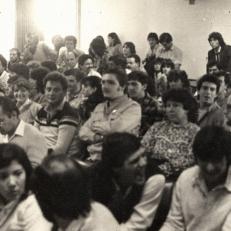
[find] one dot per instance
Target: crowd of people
(106, 141)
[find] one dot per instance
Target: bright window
(55, 17)
(7, 25)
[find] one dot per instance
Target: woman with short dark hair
(169, 142)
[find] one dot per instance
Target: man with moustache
(117, 114)
(209, 111)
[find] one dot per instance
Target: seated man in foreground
(117, 114)
(202, 195)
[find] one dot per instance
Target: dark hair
(117, 147)
(208, 78)
(99, 46)
(212, 63)
(165, 37)
(175, 75)
(38, 75)
(11, 152)
(115, 38)
(183, 96)
(139, 76)
(22, 82)
(32, 64)
(3, 61)
(79, 75)
(158, 60)
(212, 143)
(61, 186)
(119, 74)
(8, 106)
(70, 38)
(82, 59)
(21, 69)
(56, 77)
(119, 60)
(136, 57)
(153, 35)
(167, 63)
(217, 36)
(49, 64)
(225, 74)
(131, 46)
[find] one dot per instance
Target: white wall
(134, 19)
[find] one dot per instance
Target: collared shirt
(194, 208)
(52, 124)
(31, 140)
(213, 115)
(174, 53)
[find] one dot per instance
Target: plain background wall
(134, 19)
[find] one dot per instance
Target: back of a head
(99, 46)
(8, 106)
(79, 75)
(50, 65)
(20, 69)
(212, 143)
(61, 186)
(119, 61)
(117, 147)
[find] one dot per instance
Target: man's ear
(145, 86)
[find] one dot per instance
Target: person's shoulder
(189, 174)
(156, 180)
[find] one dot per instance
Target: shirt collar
(19, 130)
(198, 181)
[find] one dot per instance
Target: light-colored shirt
(144, 212)
(26, 215)
(174, 53)
(194, 208)
(31, 140)
(3, 80)
(120, 115)
(98, 219)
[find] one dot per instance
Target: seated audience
(169, 51)
(86, 66)
(201, 197)
(92, 96)
(220, 52)
(14, 57)
(129, 49)
(120, 182)
(18, 132)
(50, 65)
(137, 90)
(28, 109)
(19, 209)
(74, 95)
(57, 120)
(114, 45)
(117, 114)
(61, 186)
(169, 142)
(209, 111)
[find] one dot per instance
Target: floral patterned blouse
(170, 145)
